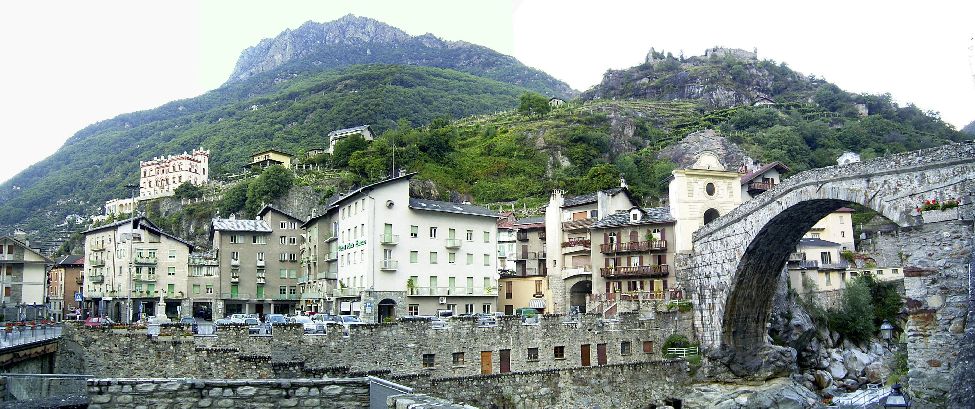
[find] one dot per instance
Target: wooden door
(486, 362)
(585, 354)
(505, 360)
(601, 354)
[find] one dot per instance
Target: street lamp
(897, 399)
(886, 331)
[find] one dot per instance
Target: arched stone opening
(753, 287)
(710, 215)
(578, 294)
(387, 309)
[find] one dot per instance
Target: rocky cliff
(354, 40)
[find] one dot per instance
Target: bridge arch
(737, 258)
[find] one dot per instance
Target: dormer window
(634, 215)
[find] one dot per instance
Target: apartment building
(258, 262)
(64, 286)
(270, 157)
(337, 135)
(319, 261)
(405, 256)
(633, 253)
(203, 284)
(22, 272)
(568, 246)
(523, 281)
(756, 178)
(133, 269)
(161, 176)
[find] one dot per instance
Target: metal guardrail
(26, 335)
(683, 352)
(381, 389)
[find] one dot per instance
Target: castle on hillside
(161, 176)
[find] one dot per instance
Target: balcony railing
(797, 256)
(97, 279)
(388, 265)
(346, 292)
(234, 279)
(94, 294)
(312, 295)
(238, 296)
(332, 237)
(261, 280)
(145, 260)
(235, 262)
(261, 263)
(96, 262)
(285, 296)
(98, 246)
(144, 277)
(803, 264)
(526, 255)
(577, 243)
(841, 265)
(760, 186)
(332, 256)
(388, 239)
(329, 275)
(451, 291)
(451, 243)
(12, 257)
(575, 270)
(527, 272)
(635, 271)
(309, 259)
(634, 246)
(79, 280)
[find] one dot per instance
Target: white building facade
(161, 176)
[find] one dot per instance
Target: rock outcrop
(685, 152)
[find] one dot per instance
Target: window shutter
(663, 259)
(641, 260)
(662, 234)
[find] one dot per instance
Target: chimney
(21, 236)
(623, 181)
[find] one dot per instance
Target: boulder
(837, 370)
(822, 379)
(876, 372)
(855, 360)
(783, 393)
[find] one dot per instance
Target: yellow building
(523, 274)
(632, 252)
(270, 157)
(699, 194)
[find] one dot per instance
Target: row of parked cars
(314, 324)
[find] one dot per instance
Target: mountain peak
(352, 40)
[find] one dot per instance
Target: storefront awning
(538, 303)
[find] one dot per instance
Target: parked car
(223, 321)
(486, 320)
(275, 319)
(240, 318)
(254, 326)
(98, 321)
(311, 326)
(350, 320)
(438, 323)
(326, 318)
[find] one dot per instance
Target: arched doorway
(387, 309)
(578, 294)
(710, 215)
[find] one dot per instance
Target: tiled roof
(268, 208)
(71, 260)
(259, 226)
(142, 223)
(448, 207)
(804, 242)
(761, 171)
(348, 130)
(651, 215)
(531, 220)
(591, 197)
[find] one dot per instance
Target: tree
(235, 198)
(345, 148)
(188, 190)
(854, 318)
(599, 177)
(533, 104)
(274, 182)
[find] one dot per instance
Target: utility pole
(132, 224)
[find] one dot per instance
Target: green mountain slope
(96, 164)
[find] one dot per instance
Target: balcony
(309, 259)
(285, 296)
(576, 270)
(634, 246)
(96, 262)
(97, 279)
(312, 295)
(79, 280)
(797, 256)
(94, 294)
(576, 245)
(526, 255)
(841, 265)
(521, 271)
(235, 262)
(346, 292)
(12, 257)
(332, 236)
(261, 263)
(302, 279)
(332, 256)
(261, 280)
(97, 246)
(388, 239)
(329, 275)
(451, 243)
(759, 187)
(388, 265)
(203, 261)
(451, 291)
(234, 279)
(232, 296)
(658, 271)
(145, 260)
(144, 277)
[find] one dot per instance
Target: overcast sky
(68, 64)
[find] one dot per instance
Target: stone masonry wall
(396, 349)
(185, 393)
(936, 282)
(639, 385)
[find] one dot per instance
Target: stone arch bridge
(732, 272)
